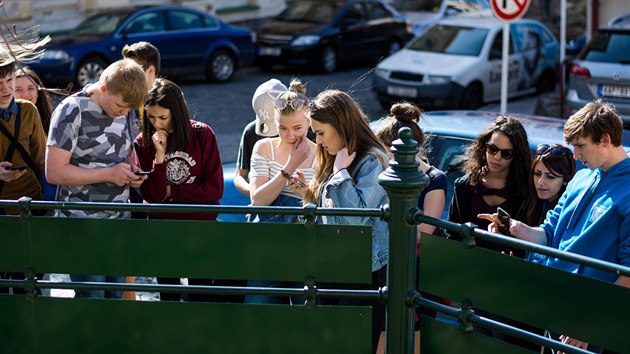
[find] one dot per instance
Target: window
(146, 23)
(377, 11)
(184, 20)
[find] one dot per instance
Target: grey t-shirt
(96, 140)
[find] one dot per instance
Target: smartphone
(504, 219)
(15, 168)
(299, 183)
(142, 173)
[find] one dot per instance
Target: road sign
(509, 10)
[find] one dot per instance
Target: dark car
(325, 33)
(190, 43)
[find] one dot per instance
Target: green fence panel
(438, 337)
(61, 326)
(584, 308)
(198, 249)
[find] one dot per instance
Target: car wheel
(89, 71)
(394, 46)
(221, 66)
(546, 82)
(328, 60)
(472, 98)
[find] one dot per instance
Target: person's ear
(605, 140)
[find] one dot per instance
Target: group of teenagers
(130, 137)
(585, 212)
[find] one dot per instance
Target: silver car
(602, 70)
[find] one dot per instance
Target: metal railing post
(403, 181)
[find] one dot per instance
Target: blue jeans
(282, 201)
(100, 294)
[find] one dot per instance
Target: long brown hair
(476, 164)
(167, 94)
(338, 109)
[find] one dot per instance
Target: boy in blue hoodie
(592, 217)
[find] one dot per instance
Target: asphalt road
(227, 107)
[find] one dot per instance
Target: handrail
(466, 316)
(378, 295)
(309, 209)
(470, 230)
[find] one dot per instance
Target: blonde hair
(296, 91)
(125, 77)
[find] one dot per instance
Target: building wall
(59, 15)
(609, 9)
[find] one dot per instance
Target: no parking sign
(506, 11)
(509, 10)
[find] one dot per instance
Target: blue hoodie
(592, 218)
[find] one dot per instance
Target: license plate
(269, 51)
(402, 91)
(614, 91)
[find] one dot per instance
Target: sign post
(507, 11)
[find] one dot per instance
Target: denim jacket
(361, 190)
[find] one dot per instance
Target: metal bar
(195, 208)
(418, 300)
(379, 295)
(618, 269)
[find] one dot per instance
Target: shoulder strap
(272, 151)
(15, 143)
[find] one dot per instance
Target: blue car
(190, 43)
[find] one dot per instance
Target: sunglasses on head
(505, 153)
(554, 151)
(295, 103)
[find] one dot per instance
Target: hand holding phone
(504, 221)
(142, 173)
(15, 168)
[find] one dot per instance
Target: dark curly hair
(476, 164)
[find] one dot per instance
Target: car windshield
(454, 40)
(434, 5)
(311, 11)
(609, 47)
(100, 25)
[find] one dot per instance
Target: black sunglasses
(554, 151)
(505, 153)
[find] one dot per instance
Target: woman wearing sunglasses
(496, 167)
(552, 169)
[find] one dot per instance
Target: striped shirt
(265, 167)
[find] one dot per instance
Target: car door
(188, 35)
(354, 40)
(381, 29)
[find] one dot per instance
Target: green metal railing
(318, 255)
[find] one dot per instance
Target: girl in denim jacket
(348, 161)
